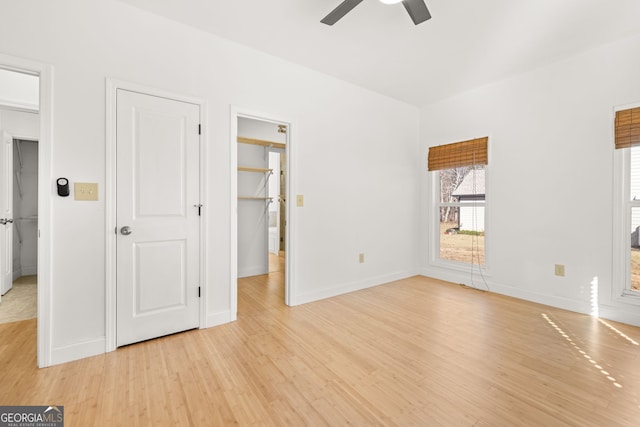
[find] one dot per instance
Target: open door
(6, 213)
(274, 206)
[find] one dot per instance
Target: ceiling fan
(417, 10)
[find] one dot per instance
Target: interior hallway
(413, 352)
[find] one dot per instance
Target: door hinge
(198, 291)
(199, 129)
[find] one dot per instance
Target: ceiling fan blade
(417, 10)
(337, 13)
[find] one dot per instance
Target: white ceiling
(467, 43)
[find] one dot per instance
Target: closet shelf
(252, 169)
(262, 142)
(28, 218)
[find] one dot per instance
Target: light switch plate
(300, 200)
(85, 190)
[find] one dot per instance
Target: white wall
(550, 167)
(367, 139)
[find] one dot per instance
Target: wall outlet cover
(85, 191)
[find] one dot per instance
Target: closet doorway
(19, 125)
(261, 153)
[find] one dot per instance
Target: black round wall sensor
(63, 187)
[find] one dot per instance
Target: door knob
(3, 221)
(126, 230)
(9, 221)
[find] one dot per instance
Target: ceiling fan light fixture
(417, 10)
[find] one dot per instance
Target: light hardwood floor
(414, 352)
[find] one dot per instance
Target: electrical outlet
(85, 191)
(560, 270)
(361, 258)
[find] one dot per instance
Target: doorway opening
(19, 290)
(43, 105)
(261, 220)
(20, 128)
(277, 207)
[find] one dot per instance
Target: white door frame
(290, 217)
(45, 192)
(112, 86)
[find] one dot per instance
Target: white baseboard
(619, 315)
(219, 318)
(252, 271)
(28, 270)
(77, 351)
(17, 273)
(511, 291)
(352, 287)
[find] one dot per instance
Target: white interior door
(158, 229)
(6, 213)
(274, 206)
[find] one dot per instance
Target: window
(459, 201)
(633, 208)
(626, 283)
(461, 214)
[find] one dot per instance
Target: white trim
(629, 316)
(204, 218)
(456, 277)
(77, 351)
(621, 256)
(290, 213)
(112, 86)
(252, 271)
(354, 286)
(45, 191)
(219, 318)
(25, 108)
(434, 228)
(233, 213)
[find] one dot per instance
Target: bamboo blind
(627, 128)
(458, 154)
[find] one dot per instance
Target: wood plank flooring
(417, 352)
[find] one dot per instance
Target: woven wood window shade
(458, 154)
(627, 128)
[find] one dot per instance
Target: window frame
(434, 227)
(622, 206)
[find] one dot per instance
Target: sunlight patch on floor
(583, 353)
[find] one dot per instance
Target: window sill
(629, 297)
